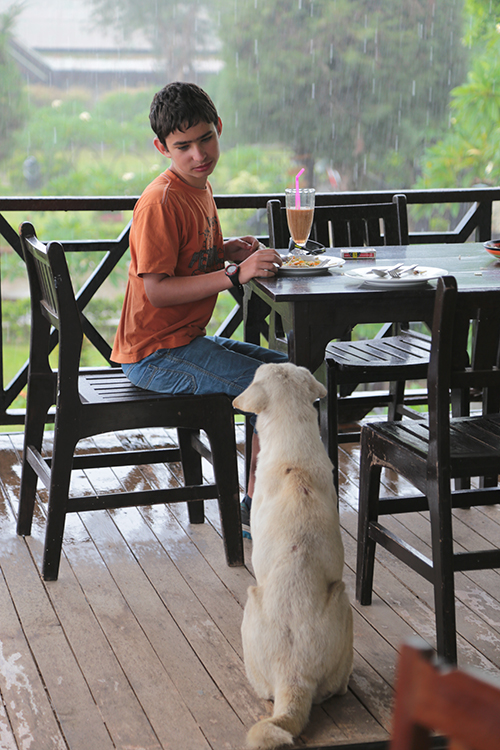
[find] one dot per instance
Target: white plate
(323, 266)
(366, 275)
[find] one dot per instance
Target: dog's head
(279, 385)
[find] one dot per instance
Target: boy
(177, 267)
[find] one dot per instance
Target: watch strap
(235, 277)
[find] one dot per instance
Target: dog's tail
(292, 706)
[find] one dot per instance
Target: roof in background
(67, 25)
(56, 42)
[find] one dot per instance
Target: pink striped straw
(297, 194)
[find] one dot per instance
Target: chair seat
(392, 359)
(108, 385)
(387, 357)
(474, 445)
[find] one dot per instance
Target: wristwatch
(233, 273)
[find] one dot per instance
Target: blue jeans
(209, 364)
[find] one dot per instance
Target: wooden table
(306, 312)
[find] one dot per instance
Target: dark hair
(179, 106)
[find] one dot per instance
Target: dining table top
(469, 262)
(307, 311)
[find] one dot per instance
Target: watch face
(231, 269)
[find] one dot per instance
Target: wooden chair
(429, 453)
(96, 401)
(386, 358)
(352, 225)
(383, 359)
(435, 700)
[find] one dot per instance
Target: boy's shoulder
(157, 188)
(167, 186)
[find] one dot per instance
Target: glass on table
(300, 214)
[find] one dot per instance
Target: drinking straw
(297, 194)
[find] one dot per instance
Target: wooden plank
(397, 586)
(168, 713)
(26, 716)
(338, 708)
(205, 634)
(149, 616)
(7, 739)
(150, 678)
(477, 637)
(196, 576)
(120, 709)
(348, 713)
(74, 707)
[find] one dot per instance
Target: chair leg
(369, 488)
(460, 407)
(443, 570)
(330, 423)
(191, 467)
(221, 436)
(397, 393)
(248, 448)
(62, 462)
(41, 397)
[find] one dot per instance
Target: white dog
(297, 626)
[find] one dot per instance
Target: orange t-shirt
(176, 231)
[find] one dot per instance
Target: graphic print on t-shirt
(207, 259)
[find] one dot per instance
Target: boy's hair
(179, 106)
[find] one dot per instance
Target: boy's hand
(263, 262)
(240, 248)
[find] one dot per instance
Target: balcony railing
(474, 222)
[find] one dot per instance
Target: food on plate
(299, 261)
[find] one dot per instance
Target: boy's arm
(164, 291)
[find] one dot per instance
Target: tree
(469, 153)
(361, 85)
(176, 30)
(12, 101)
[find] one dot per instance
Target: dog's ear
(316, 388)
(253, 399)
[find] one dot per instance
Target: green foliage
(363, 85)
(469, 153)
(12, 99)
(83, 147)
(482, 17)
(249, 169)
(109, 152)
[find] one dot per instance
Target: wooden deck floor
(137, 645)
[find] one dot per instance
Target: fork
(386, 271)
(396, 273)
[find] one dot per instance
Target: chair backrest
(453, 703)
(53, 304)
(353, 225)
(464, 355)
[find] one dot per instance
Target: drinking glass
(300, 214)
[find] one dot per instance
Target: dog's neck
(283, 434)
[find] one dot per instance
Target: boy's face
(194, 152)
